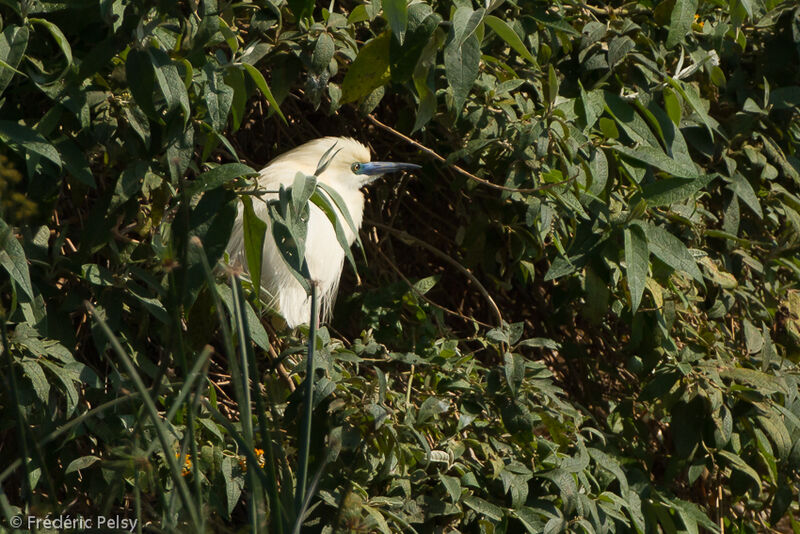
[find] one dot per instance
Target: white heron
(349, 169)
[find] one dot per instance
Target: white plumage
(348, 171)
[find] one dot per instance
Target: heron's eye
(355, 167)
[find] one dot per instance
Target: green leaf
(140, 75)
(637, 262)
(452, 485)
(464, 23)
(514, 367)
(737, 464)
(180, 147)
(671, 190)
(672, 105)
(554, 22)
(461, 63)
(658, 159)
(629, 120)
(217, 177)
(396, 14)
(211, 220)
(484, 507)
(593, 105)
(70, 392)
(541, 342)
(28, 140)
(680, 21)
(254, 231)
(12, 258)
(323, 53)
(97, 275)
(506, 33)
(551, 88)
(13, 42)
(369, 70)
(671, 250)
(378, 518)
(290, 229)
(34, 372)
(674, 142)
(75, 162)
(257, 332)
(424, 285)
(695, 102)
(218, 97)
(752, 337)
(775, 428)
(430, 407)
(81, 463)
(741, 186)
(618, 48)
(128, 184)
(151, 304)
(170, 82)
(302, 190)
(414, 56)
(61, 41)
(723, 279)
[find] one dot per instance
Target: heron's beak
(376, 168)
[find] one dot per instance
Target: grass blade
(151, 410)
(305, 430)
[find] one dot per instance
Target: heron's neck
(355, 205)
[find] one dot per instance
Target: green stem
(305, 435)
(150, 409)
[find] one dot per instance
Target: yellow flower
(697, 21)
(259, 454)
(187, 464)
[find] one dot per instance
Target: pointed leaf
(672, 190)
(217, 177)
(637, 262)
(12, 258)
(695, 102)
(741, 186)
(462, 65)
(680, 21)
(506, 33)
(13, 42)
(369, 70)
(170, 82)
(671, 250)
(396, 13)
(254, 231)
(658, 159)
(261, 83)
(23, 138)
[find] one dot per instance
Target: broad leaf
(637, 263)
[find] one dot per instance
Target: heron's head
(350, 165)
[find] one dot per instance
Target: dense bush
(583, 314)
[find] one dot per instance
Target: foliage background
(583, 316)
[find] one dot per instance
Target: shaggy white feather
(285, 292)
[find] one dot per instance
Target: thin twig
(408, 238)
(419, 293)
(468, 174)
(281, 369)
